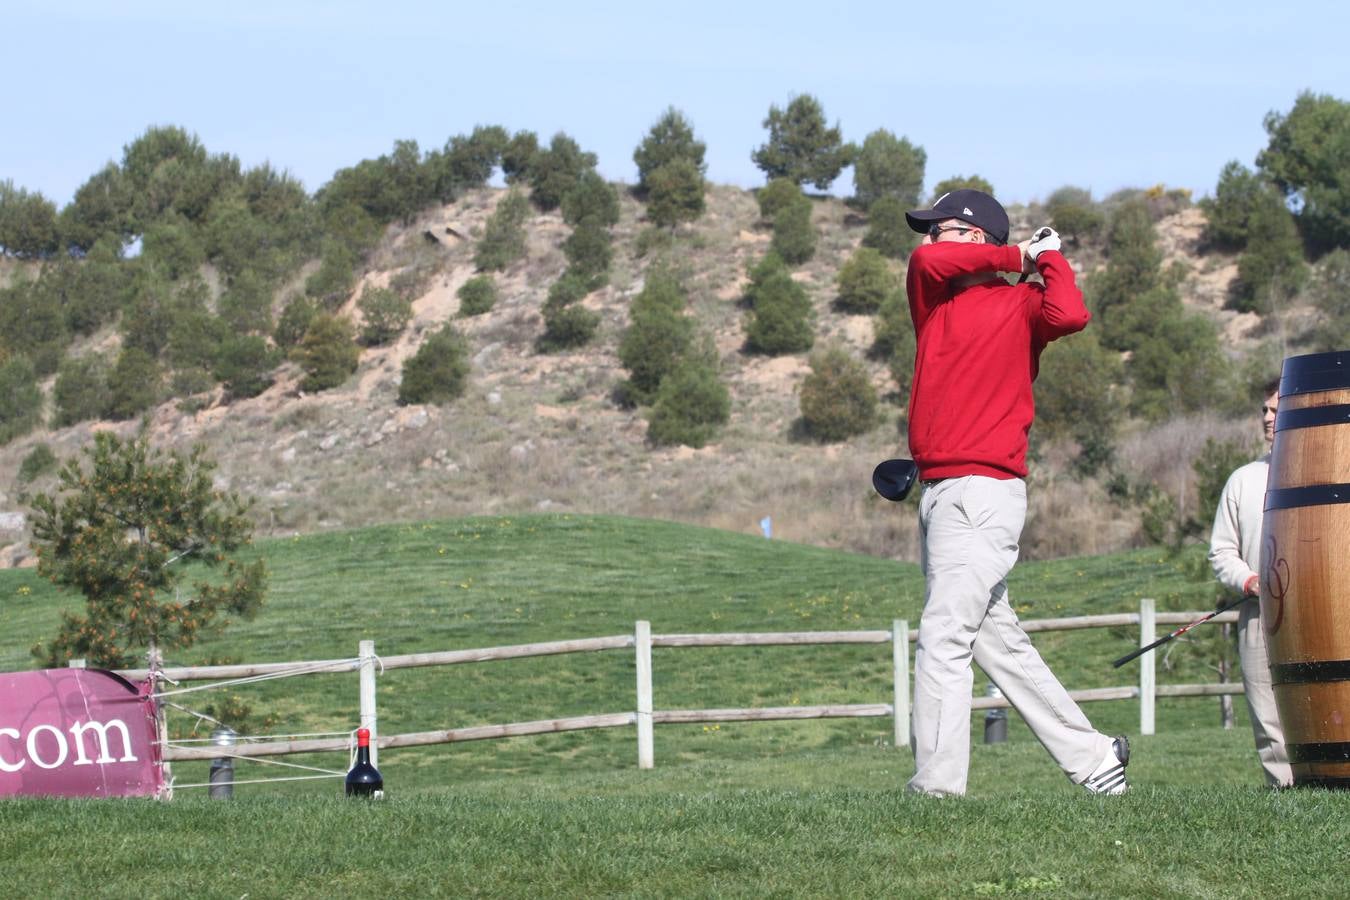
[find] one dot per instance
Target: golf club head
(894, 477)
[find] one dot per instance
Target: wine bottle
(364, 779)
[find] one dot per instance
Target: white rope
(200, 716)
(262, 780)
(253, 738)
(253, 679)
(277, 762)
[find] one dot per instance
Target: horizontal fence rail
(645, 716)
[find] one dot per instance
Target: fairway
(807, 808)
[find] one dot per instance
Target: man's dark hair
(1270, 386)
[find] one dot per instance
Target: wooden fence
(644, 717)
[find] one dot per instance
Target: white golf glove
(1045, 238)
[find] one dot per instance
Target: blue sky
(1029, 95)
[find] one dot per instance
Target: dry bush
(1066, 517)
(1165, 454)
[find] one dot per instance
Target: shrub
(518, 156)
(780, 321)
(794, 237)
(670, 140)
(1181, 368)
(294, 321)
(566, 290)
(777, 195)
(566, 327)
(133, 596)
(503, 240)
(1308, 158)
(134, 384)
(864, 282)
(80, 391)
(148, 313)
(1271, 270)
(28, 226)
(591, 198)
(99, 283)
(20, 399)
(1228, 212)
(38, 461)
(837, 398)
(32, 324)
(658, 338)
(887, 230)
(194, 334)
(477, 295)
(800, 147)
(957, 182)
(467, 162)
(589, 254)
(1330, 293)
(653, 240)
(888, 166)
(333, 283)
(1212, 467)
(327, 353)
(675, 193)
(384, 315)
(691, 405)
(173, 246)
(893, 340)
(438, 372)
(101, 208)
(1076, 397)
(556, 171)
(1073, 214)
(245, 365)
(246, 305)
(192, 385)
(1133, 270)
(769, 267)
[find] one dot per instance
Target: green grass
(745, 809)
(826, 823)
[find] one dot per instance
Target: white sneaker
(1109, 776)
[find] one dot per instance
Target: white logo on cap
(966, 211)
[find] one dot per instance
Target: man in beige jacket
(1235, 552)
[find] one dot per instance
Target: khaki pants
(1261, 696)
(969, 529)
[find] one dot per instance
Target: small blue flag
(766, 526)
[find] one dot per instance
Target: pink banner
(77, 733)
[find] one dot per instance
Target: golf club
(894, 477)
(1178, 633)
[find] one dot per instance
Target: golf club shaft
(1178, 633)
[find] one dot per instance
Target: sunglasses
(935, 230)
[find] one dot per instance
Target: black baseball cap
(968, 205)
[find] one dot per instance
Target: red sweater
(979, 350)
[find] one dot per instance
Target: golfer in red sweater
(979, 346)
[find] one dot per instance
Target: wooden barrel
(1305, 566)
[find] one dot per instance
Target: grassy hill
(541, 432)
(484, 582)
(781, 808)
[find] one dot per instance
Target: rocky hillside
(541, 432)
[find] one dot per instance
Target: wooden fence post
(154, 661)
(900, 660)
(1148, 682)
(643, 643)
(368, 716)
